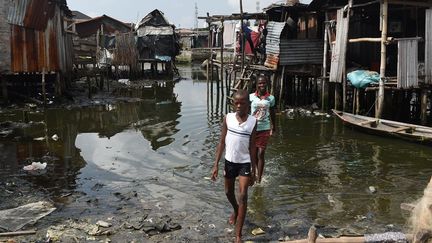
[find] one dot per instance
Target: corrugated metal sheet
(151, 30)
(31, 14)
(339, 50)
(50, 49)
(294, 52)
(273, 43)
(428, 45)
(4, 37)
(407, 75)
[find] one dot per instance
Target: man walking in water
(238, 141)
(262, 108)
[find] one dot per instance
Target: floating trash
(35, 166)
(258, 231)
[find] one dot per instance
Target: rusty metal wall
(428, 45)
(407, 73)
(5, 33)
(34, 50)
(295, 52)
(32, 13)
(273, 43)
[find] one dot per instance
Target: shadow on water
(162, 146)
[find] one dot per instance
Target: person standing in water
(238, 140)
(263, 109)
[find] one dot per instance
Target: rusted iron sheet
(305, 51)
(272, 61)
(407, 73)
(35, 51)
(338, 57)
(273, 44)
(428, 45)
(31, 14)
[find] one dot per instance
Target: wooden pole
(312, 235)
(324, 91)
(242, 37)
(354, 100)
(17, 233)
(380, 98)
(357, 102)
(424, 101)
(222, 58)
(43, 86)
(281, 91)
(344, 80)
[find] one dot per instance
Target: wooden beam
(411, 3)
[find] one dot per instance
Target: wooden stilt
(423, 106)
(281, 91)
(337, 96)
(43, 87)
(380, 94)
(357, 101)
(4, 88)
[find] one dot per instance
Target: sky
(181, 13)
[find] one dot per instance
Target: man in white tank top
(238, 140)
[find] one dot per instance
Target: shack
(95, 39)
(390, 37)
(157, 42)
(36, 46)
(294, 50)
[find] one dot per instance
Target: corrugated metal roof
(295, 52)
(17, 12)
(273, 37)
(151, 30)
(31, 14)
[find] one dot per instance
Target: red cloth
(262, 138)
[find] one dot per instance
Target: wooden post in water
(281, 89)
(58, 84)
(424, 103)
(380, 98)
(43, 86)
(344, 80)
(324, 91)
(357, 102)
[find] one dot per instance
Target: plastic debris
(16, 218)
(103, 224)
(258, 231)
(372, 189)
(55, 137)
(35, 166)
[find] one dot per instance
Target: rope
(367, 114)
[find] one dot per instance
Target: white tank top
(237, 140)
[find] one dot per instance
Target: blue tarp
(362, 78)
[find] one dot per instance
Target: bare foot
(238, 239)
(232, 219)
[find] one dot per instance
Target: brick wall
(5, 33)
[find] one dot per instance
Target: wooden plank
(367, 122)
(338, 57)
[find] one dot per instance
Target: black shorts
(232, 170)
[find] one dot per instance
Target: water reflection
(35, 133)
